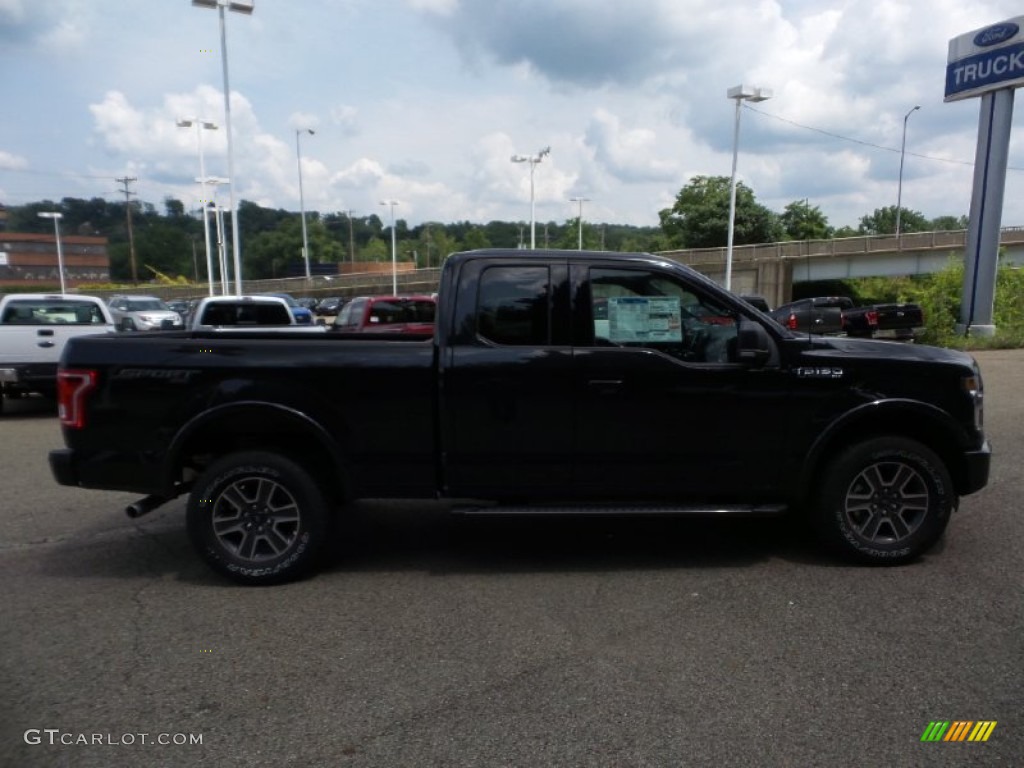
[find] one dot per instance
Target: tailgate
(899, 316)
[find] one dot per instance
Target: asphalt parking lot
(437, 641)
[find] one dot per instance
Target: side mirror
(753, 344)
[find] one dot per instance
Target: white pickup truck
(34, 327)
(242, 313)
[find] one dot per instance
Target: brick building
(26, 259)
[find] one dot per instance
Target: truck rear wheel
(885, 501)
(257, 518)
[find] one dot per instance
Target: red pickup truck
(388, 314)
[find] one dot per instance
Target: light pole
(212, 207)
(302, 205)
(201, 124)
(56, 216)
(218, 217)
(533, 160)
(740, 93)
(581, 201)
(899, 186)
(246, 7)
(394, 250)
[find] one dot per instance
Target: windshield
(145, 305)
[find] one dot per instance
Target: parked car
(302, 315)
(144, 313)
(387, 314)
(329, 306)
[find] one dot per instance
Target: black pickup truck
(554, 381)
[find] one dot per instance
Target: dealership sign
(986, 60)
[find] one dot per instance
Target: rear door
(507, 387)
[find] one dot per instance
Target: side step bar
(620, 509)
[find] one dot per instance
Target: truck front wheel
(885, 501)
(257, 518)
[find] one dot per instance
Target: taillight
(791, 322)
(872, 317)
(73, 385)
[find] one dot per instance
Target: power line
(862, 142)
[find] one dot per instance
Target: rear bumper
(37, 377)
(107, 472)
(976, 468)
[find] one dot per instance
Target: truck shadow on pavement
(422, 536)
(386, 536)
(27, 407)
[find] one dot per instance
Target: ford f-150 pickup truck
(554, 381)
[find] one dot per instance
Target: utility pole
(128, 214)
(351, 239)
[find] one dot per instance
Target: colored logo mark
(958, 730)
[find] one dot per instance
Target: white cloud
(11, 162)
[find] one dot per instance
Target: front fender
(907, 418)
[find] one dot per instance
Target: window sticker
(644, 318)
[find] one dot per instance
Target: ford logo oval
(996, 34)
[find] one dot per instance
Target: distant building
(28, 258)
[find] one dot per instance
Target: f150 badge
(818, 372)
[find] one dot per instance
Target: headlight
(975, 389)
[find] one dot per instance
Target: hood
(875, 349)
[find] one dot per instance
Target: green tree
(803, 221)
(883, 222)
(700, 216)
(475, 238)
(948, 223)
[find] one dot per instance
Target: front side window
(513, 306)
(641, 308)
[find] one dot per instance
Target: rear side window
(514, 307)
(257, 313)
(51, 312)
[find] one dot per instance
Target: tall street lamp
(56, 216)
(211, 207)
(302, 205)
(200, 125)
(533, 160)
(899, 186)
(581, 201)
(394, 250)
(246, 7)
(740, 93)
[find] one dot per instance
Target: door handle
(44, 332)
(45, 344)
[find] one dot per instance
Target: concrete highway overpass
(771, 269)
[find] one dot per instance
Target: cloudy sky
(424, 101)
